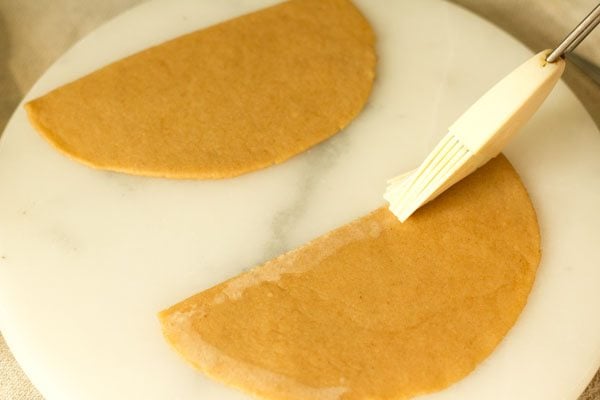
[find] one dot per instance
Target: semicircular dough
(232, 98)
(376, 309)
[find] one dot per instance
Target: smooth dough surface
(376, 309)
(219, 102)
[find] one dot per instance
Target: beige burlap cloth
(33, 33)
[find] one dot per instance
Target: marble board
(87, 257)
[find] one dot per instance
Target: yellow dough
(376, 309)
(222, 101)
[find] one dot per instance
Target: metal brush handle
(576, 36)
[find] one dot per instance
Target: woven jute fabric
(35, 33)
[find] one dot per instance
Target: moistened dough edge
(376, 309)
(222, 101)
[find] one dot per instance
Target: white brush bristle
(407, 192)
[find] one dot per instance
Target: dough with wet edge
(376, 309)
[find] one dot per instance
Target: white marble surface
(89, 257)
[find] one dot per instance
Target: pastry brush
(486, 127)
